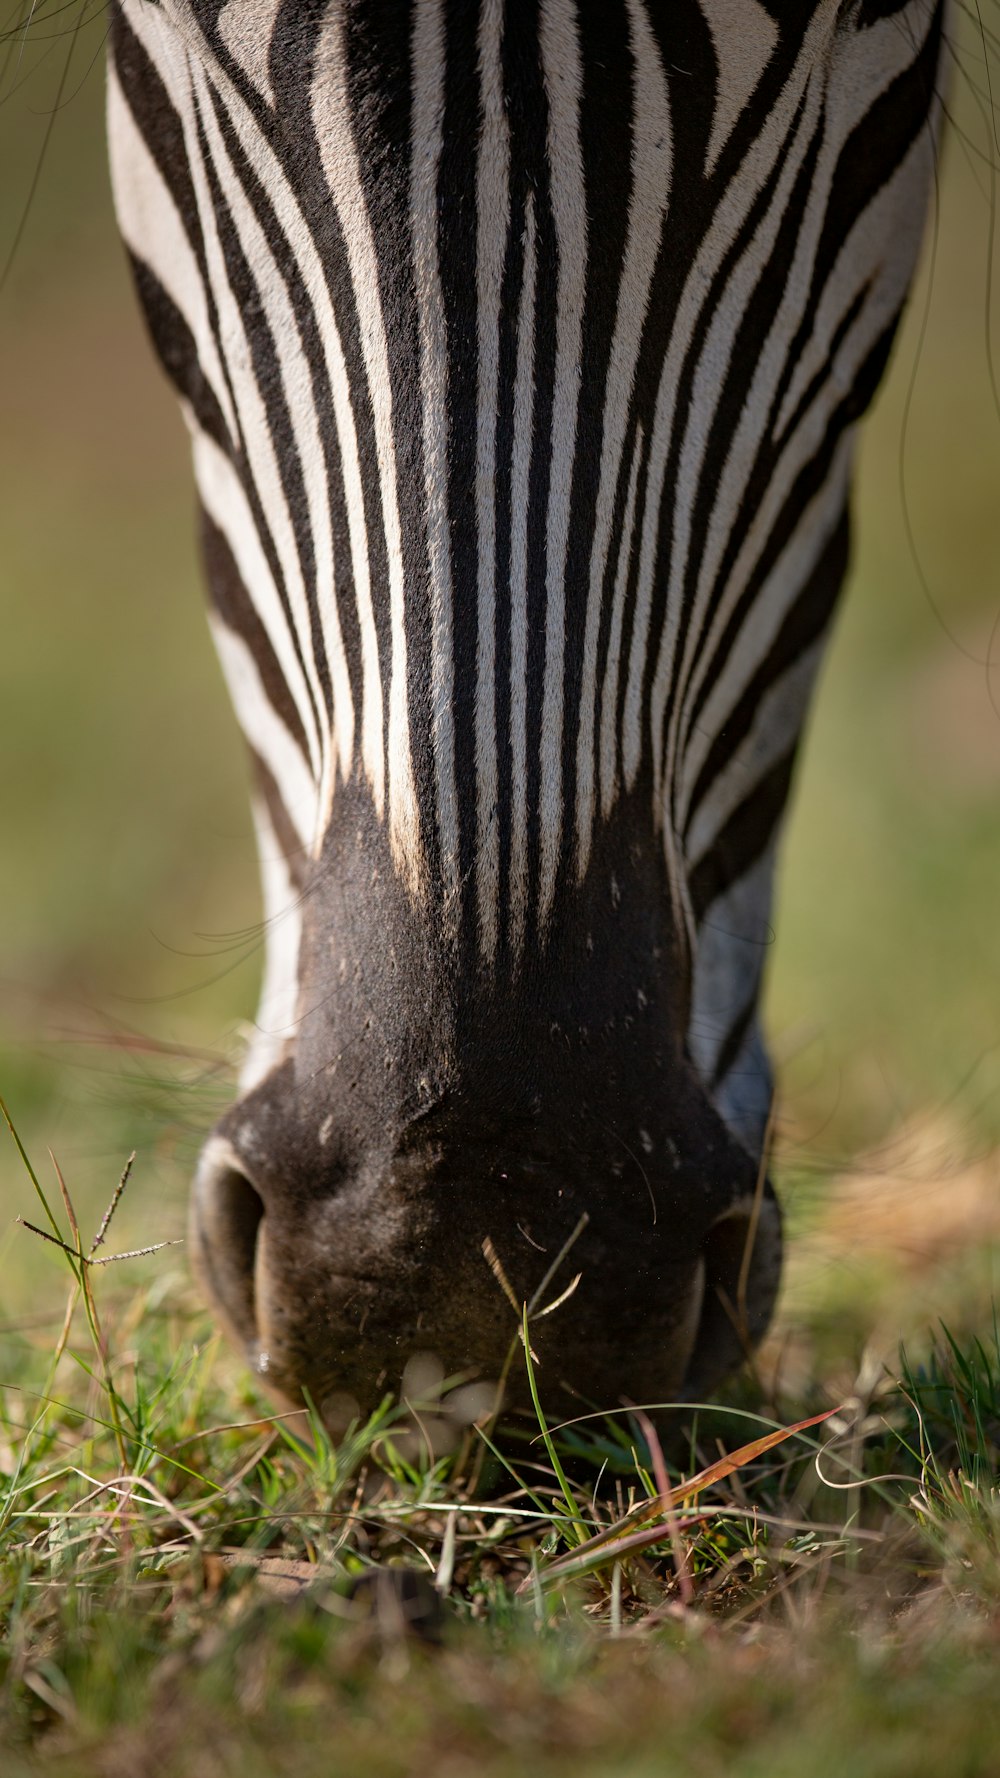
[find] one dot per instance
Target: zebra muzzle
(338, 1299)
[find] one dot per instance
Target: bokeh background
(128, 904)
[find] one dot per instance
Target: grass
(194, 1583)
(194, 1589)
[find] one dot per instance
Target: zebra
(522, 345)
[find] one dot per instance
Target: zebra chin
(337, 1289)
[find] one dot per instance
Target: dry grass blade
(557, 1302)
(756, 1447)
(106, 1259)
(112, 1207)
(29, 1169)
(666, 1494)
(43, 1235)
(532, 1311)
(74, 1226)
(610, 1543)
(493, 1260)
(589, 1556)
(567, 1246)
(111, 1259)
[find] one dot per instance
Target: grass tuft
(188, 1588)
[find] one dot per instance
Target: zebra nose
(226, 1215)
(329, 1265)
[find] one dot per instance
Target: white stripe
(275, 1021)
(267, 733)
(609, 701)
(297, 388)
(246, 28)
(332, 115)
(744, 38)
(879, 252)
(252, 414)
(520, 474)
(770, 607)
(225, 502)
(711, 600)
(165, 45)
(428, 120)
(815, 526)
(492, 216)
(563, 85)
(777, 720)
(896, 215)
(711, 376)
(857, 75)
(153, 231)
(736, 201)
(651, 170)
(797, 560)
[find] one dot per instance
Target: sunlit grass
(190, 1576)
(200, 1589)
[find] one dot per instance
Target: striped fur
(522, 345)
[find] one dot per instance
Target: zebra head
(521, 345)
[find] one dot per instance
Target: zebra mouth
(352, 1321)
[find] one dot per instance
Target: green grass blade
(579, 1529)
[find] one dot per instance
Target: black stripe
(238, 613)
(808, 483)
(267, 375)
(294, 71)
(456, 208)
(735, 1038)
(607, 126)
(378, 47)
(295, 854)
(529, 125)
(665, 536)
(876, 146)
(744, 838)
(313, 358)
(804, 623)
(510, 290)
(177, 350)
(159, 125)
(755, 325)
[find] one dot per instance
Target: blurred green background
(127, 878)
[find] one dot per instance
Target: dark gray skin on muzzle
(428, 1110)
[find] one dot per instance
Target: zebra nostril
(741, 1256)
(226, 1216)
